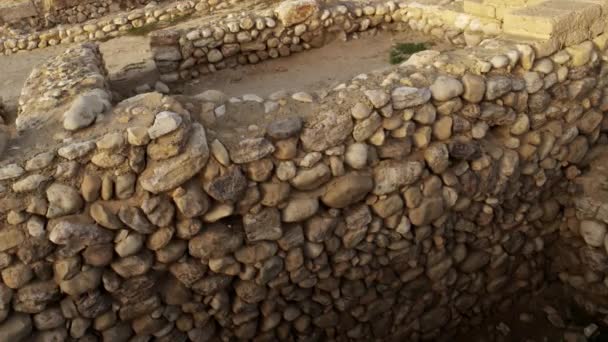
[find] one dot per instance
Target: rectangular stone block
(503, 7)
(478, 8)
(566, 20)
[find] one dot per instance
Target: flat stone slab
(53, 85)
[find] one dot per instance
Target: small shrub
(402, 51)
(147, 28)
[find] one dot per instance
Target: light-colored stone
(445, 88)
(167, 174)
(293, 12)
(164, 123)
(85, 109)
(593, 232)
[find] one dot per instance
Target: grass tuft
(148, 28)
(402, 51)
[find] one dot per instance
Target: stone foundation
(407, 204)
(253, 38)
(38, 15)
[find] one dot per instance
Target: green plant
(147, 28)
(402, 51)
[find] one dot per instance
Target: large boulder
(326, 130)
(293, 12)
(85, 109)
(167, 174)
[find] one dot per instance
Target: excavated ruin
(409, 203)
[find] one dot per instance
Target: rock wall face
(579, 256)
(106, 27)
(298, 25)
(406, 205)
(44, 14)
(50, 89)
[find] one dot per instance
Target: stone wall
(108, 27)
(402, 205)
(295, 26)
(39, 15)
(580, 256)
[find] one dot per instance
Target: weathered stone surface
(367, 127)
(445, 88)
(79, 69)
(159, 210)
(191, 200)
(265, 225)
(77, 229)
(391, 175)
(88, 280)
(164, 123)
(593, 232)
(378, 98)
(437, 157)
(17, 276)
(85, 109)
(167, 174)
(76, 150)
(249, 291)
(284, 128)
(293, 12)
(474, 88)
(405, 97)
(427, 212)
(299, 209)
(63, 200)
(229, 186)
(134, 265)
(29, 183)
(346, 190)
(215, 241)
(309, 179)
(326, 130)
(249, 150)
(356, 155)
(10, 238)
(135, 219)
(104, 217)
(497, 86)
(16, 328)
(474, 261)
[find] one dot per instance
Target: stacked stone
(411, 204)
(580, 257)
(105, 28)
(53, 85)
(80, 12)
(438, 21)
(298, 25)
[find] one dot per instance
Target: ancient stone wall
(401, 205)
(296, 26)
(108, 27)
(41, 15)
(580, 256)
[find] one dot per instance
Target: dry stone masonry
(405, 204)
(36, 15)
(298, 25)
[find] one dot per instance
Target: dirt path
(311, 70)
